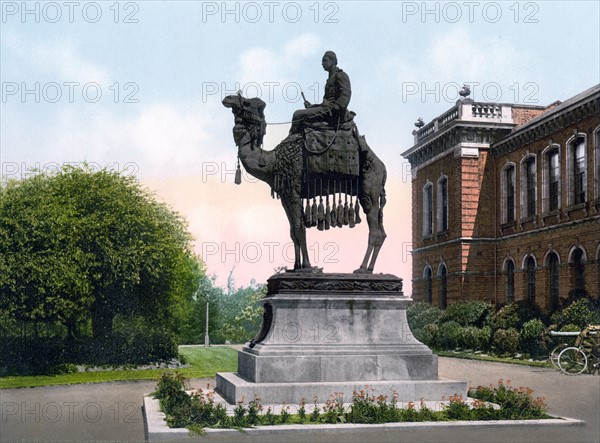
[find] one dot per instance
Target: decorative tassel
(307, 221)
(334, 213)
(321, 216)
(340, 212)
(238, 174)
(346, 217)
(346, 214)
(321, 211)
(314, 209)
(351, 211)
(327, 210)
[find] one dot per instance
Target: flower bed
(198, 410)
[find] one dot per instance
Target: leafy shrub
(31, 355)
(485, 338)
(505, 318)
(570, 328)
(421, 314)
(470, 337)
(533, 338)
(581, 313)
(428, 335)
(449, 335)
(469, 313)
(529, 310)
(506, 341)
(515, 315)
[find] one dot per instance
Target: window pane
(553, 178)
(444, 205)
(579, 171)
(510, 194)
(553, 286)
(530, 279)
(510, 282)
(530, 187)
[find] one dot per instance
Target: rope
(282, 123)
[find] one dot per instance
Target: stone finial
(465, 91)
(420, 123)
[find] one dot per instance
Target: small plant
(334, 408)
(270, 418)
(239, 413)
(254, 408)
(284, 417)
(302, 410)
(457, 409)
(409, 413)
(316, 412)
(425, 413)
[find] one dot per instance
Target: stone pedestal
(326, 333)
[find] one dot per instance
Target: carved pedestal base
(326, 333)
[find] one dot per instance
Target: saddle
(332, 147)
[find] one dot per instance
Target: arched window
(508, 193)
(428, 284)
(551, 179)
(442, 204)
(428, 210)
(510, 281)
(553, 280)
(576, 168)
(577, 264)
(530, 275)
(443, 287)
(528, 182)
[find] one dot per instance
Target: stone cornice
(545, 125)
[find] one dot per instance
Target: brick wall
(477, 243)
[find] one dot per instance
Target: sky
(137, 87)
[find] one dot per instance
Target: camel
(284, 170)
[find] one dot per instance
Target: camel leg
(369, 209)
(377, 236)
(293, 210)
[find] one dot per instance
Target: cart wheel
(553, 357)
(591, 344)
(572, 361)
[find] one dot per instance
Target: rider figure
(335, 101)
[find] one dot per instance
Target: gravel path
(112, 411)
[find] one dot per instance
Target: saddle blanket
(331, 152)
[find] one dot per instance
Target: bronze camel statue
(284, 169)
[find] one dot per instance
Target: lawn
(471, 356)
(203, 362)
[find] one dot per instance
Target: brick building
(506, 201)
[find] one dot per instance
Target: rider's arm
(343, 82)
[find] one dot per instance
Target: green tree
(83, 244)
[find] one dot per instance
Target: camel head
(249, 118)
